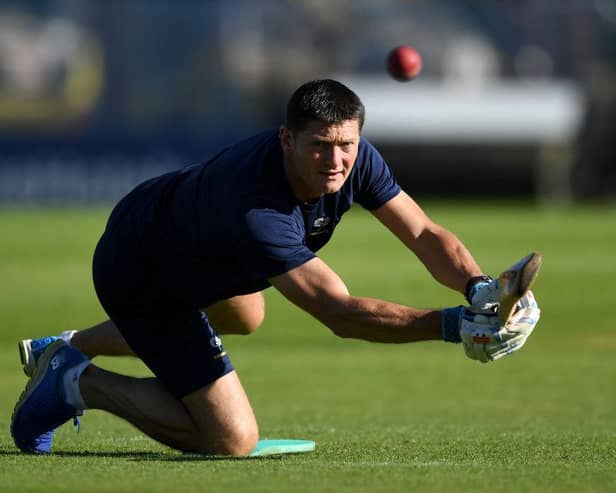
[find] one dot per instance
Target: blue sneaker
(41, 408)
(30, 351)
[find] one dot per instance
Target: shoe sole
(27, 358)
(515, 283)
(37, 378)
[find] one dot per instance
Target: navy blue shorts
(175, 341)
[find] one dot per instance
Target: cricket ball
(404, 63)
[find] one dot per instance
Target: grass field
(385, 418)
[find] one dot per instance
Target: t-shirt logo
(319, 225)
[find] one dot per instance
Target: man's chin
(327, 188)
(332, 188)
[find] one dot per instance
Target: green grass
(417, 417)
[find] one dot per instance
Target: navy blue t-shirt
(222, 228)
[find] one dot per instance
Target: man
(185, 256)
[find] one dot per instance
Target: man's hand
(484, 339)
(483, 296)
(480, 335)
(519, 326)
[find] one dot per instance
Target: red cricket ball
(403, 63)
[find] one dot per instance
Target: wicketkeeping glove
(481, 334)
(519, 326)
(482, 294)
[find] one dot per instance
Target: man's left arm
(443, 254)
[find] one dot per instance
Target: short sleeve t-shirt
(222, 228)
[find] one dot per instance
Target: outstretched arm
(443, 254)
(318, 290)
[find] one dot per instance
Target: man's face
(319, 159)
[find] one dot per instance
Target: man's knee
(247, 323)
(238, 442)
(225, 422)
(239, 315)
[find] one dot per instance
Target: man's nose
(335, 157)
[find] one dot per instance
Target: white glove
(483, 296)
(519, 326)
(485, 340)
(480, 335)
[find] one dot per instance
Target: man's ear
(286, 139)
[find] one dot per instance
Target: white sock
(71, 385)
(67, 335)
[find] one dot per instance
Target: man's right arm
(317, 289)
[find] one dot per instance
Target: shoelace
(76, 422)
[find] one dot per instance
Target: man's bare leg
(216, 419)
(101, 339)
(237, 315)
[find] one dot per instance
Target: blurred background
(516, 98)
(516, 104)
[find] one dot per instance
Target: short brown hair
(325, 100)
